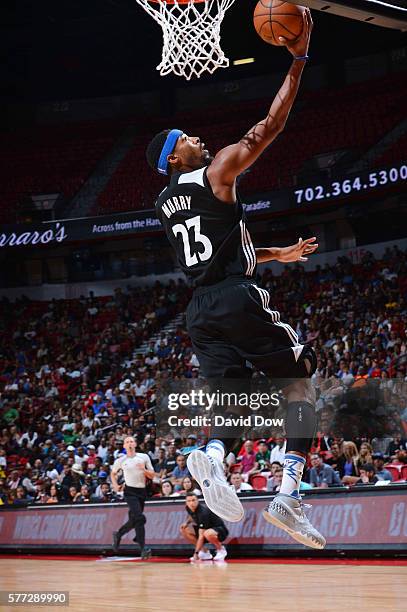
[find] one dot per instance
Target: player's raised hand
(297, 251)
(299, 48)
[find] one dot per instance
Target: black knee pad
(300, 426)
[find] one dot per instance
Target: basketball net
(191, 35)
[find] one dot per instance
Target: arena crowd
(74, 384)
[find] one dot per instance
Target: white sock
(292, 474)
(216, 450)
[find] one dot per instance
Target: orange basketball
(274, 18)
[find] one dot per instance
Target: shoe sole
(219, 498)
(270, 518)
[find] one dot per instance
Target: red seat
(259, 482)
(404, 472)
(395, 470)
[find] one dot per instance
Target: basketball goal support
(375, 12)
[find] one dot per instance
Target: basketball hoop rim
(177, 1)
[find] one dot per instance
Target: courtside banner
(351, 521)
(92, 228)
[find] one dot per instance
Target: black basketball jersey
(210, 237)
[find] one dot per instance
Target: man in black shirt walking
(203, 526)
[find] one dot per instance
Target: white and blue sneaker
(287, 513)
(220, 497)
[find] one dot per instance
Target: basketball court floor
(239, 584)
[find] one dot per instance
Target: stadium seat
(258, 482)
(395, 471)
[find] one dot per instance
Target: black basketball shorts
(221, 531)
(231, 323)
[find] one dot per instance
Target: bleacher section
(352, 117)
(50, 159)
(60, 158)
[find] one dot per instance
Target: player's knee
(210, 535)
(309, 360)
(301, 390)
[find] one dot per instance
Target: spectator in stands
(365, 453)
(237, 481)
(351, 468)
(367, 475)
(381, 472)
(160, 463)
(3, 492)
(188, 485)
(3, 459)
(83, 496)
(21, 497)
(14, 480)
(337, 458)
(72, 493)
(274, 483)
(263, 456)
(179, 472)
(41, 494)
(167, 489)
(53, 494)
(248, 460)
(400, 457)
(398, 443)
(322, 475)
(171, 461)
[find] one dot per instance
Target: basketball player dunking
(136, 467)
(229, 318)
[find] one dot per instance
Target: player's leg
(214, 537)
(189, 533)
(216, 358)
(273, 347)
(125, 528)
(207, 466)
(136, 501)
(286, 509)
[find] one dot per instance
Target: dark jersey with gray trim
(210, 237)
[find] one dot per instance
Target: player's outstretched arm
(234, 159)
(295, 252)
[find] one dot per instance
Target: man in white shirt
(237, 482)
(136, 467)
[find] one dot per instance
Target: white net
(191, 35)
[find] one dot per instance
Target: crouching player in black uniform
(230, 319)
(201, 527)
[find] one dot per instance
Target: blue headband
(167, 149)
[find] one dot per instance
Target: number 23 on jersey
(191, 259)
